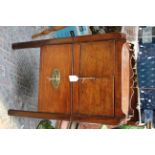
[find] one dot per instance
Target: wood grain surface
(51, 99)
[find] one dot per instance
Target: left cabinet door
(54, 85)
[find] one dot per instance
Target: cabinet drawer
(95, 97)
(97, 59)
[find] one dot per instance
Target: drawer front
(95, 97)
(54, 92)
(97, 59)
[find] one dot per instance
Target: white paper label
(73, 78)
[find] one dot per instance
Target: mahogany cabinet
(84, 78)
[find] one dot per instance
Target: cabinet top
(70, 40)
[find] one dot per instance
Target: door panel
(96, 97)
(97, 59)
(53, 98)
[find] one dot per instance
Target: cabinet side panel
(125, 79)
(118, 78)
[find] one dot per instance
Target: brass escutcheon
(55, 78)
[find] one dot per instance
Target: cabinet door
(93, 94)
(55, 92)
(96, 96)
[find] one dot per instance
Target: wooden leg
(40, 43)
(149, 125)
(32, 114)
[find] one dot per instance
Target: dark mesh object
(146, 75)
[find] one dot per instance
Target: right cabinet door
(93, 94)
